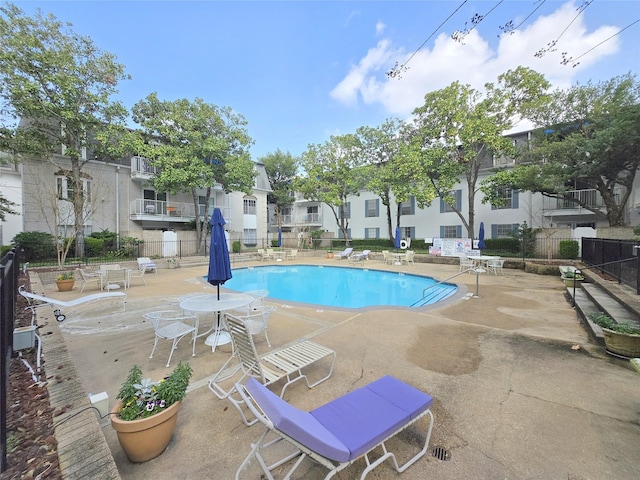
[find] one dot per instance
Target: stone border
(83, 451)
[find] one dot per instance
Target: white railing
(584, 198)
(141, 167)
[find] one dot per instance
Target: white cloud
(475, 62)
(380, 28)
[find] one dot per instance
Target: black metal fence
(9, 271)
(617, 258)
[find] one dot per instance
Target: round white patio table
(210, 303)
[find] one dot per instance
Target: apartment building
(368, 216)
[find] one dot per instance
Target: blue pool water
(338, 286)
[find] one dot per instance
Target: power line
(566, 60)
(397, 70)
(459, 35)
(551, 45)
(508, 27)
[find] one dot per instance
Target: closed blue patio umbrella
(219, 261)
(279, 237)
(481, 244)
(397, 239)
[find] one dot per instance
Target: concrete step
(609, 304)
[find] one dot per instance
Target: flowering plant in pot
(146, 414)
(65, 281)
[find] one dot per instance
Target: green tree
(281, 171)
(59, 83)
(333, 173)
(389, 172)
(458, 127)
(589, 139)
(195, 146)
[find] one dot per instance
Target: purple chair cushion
(365, 417)
(299, 425)
(348, 426)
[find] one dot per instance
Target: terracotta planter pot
(329, 254)
(622, 343)
(146, 438)
(65, 285)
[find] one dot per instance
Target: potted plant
(570, 276)
(329, 253)
(172, 262)
(619, 338)
(65, 281)
(145, 415)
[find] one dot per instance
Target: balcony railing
(160, 210)
(303, 219)
(584, 198)
(141, 168)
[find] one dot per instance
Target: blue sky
(300, 71)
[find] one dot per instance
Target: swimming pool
(339, 286)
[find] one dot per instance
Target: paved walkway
(520, 392)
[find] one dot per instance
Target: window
(408, 232)
(371, 233)
(65, 188)
(450, 231)
(408, 207)
(510, 197)
(445, 207)
(504, 230)
(249, 206)
(372, 208)
(346, 208)
(342, 236)
(250, 236)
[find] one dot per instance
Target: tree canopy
(59, 84)
(458, 128)
(332, 174)
(281, 171)
(195, 145)
(589, 139)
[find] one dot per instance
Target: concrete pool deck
(514, 397)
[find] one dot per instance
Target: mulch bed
(32, 449)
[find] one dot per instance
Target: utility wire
(459, 35)
(566, 60)
(550, 46)
(508, 27)
(396, 71)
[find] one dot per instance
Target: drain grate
(441, 453)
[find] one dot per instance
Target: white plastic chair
(408, 258)
(88, 277)
(147, 264)
(133, 273)
(495, 266)
(466, 263)
(170, 325)
(118, 276)
(257, 320)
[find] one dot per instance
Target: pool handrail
(438, 283)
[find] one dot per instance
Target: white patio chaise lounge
(346, 253)
(283, 364)
(147, 264)
(36, 301)
(340, 432)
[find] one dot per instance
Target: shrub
(511, 245)
(569, 249)
(36, 245)
(93, 246)
(237, 246)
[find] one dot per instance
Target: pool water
(339, 286)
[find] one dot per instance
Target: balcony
(305, 219)
(566, 206)
(141, 209)
(141, 169)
